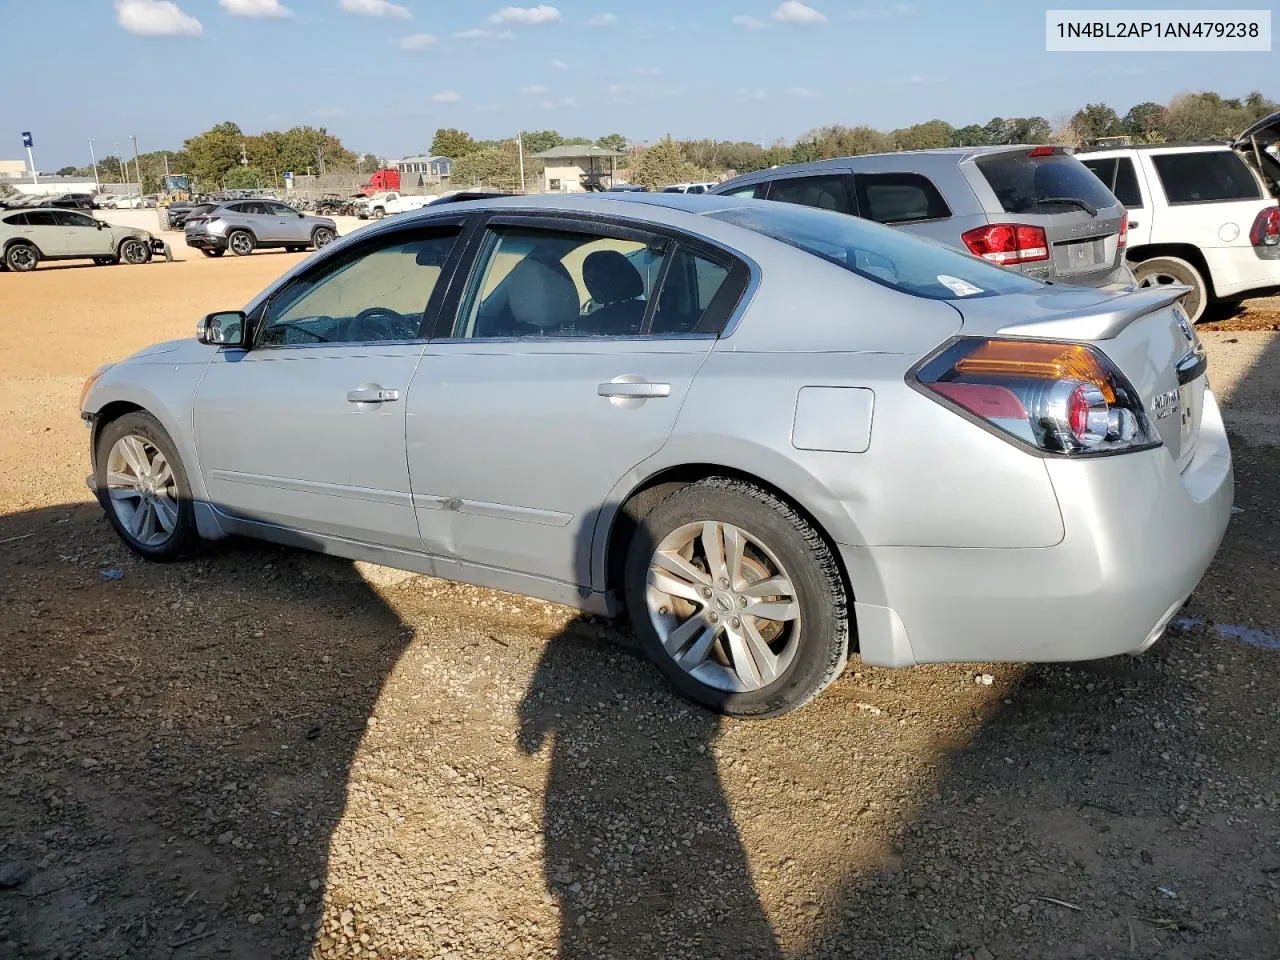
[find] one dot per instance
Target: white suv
(1199, 214)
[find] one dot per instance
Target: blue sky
(384, 75)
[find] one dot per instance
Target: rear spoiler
(1101, 321)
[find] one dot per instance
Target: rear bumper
(1239, 270)
(206, 241)
(1139, 537)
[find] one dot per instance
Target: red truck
(380, 181)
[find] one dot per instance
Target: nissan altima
(773, 435)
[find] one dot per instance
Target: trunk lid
(1145, 333)
(1258, 145)
(1048, 188)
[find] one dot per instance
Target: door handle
(1132, 224)
(372, 394)
(634, 391)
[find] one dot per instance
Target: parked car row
(28, 236)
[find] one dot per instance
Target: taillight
(1064, 398)
(1008, 243)
(1042, 152)
(1266, 228)
(1123, 239)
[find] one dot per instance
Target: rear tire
(240, 242)
(803, 620)
(143, 487)
(22, 258)
(1161, 271)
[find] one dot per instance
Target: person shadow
(633, 811)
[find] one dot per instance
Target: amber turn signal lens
(1029, 358)
(88, 384)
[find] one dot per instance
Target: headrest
(610, 277)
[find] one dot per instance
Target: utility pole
(166, 173)
(520, 150)
(96, 182)
(136, 165)
(124, 178)
(244, 156)
(28, 143)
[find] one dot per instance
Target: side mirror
(101, 225)
(223, 329)
(301, 215)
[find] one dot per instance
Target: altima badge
(1165, 404)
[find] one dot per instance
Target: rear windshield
(1044, 185)
(1205, 176)
(899, 260)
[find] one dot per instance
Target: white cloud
(748, 23)
(156, 18)
(793, 11)
(257, 9)
(603, 20)
(539, 14)
(559, 65)
(376, 8)
(476, 34)
(649, 71)
(746, 96)
(417, 42)
(882, 12)
(535, 90)
(445, 96)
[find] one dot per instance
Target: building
(14, 170)
(424, 171)
(578, 167)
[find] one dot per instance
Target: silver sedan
(774, 436)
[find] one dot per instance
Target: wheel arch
(1183, 251)
(646, 493)
(22, 241)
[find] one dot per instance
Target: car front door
(571, 353)
(290, 224)
(306, 429)
(84, 237)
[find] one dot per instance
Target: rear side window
(1205, 176)
(1043, 185)
(17, 220)
(747, 192)
(828, 192)
(898, 198)
(1119, 176)
(41, 218)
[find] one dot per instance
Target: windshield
(887, 256)
(1055, 183)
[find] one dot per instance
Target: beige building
(576, 168)
(13, 169)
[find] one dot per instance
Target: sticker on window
(961, 288)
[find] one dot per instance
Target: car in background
(243, 226)
(177, 214)
(30, 235)
(71, 201)
(689, 188)
(1202, 215)
(627, 188)
(387, 204)
(1033, 209)
(794, 434)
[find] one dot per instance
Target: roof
(424, 159)
(1175, 144)
(571, 150)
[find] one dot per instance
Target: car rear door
(47, 233)
(1212, 197)
(1051, 190)
(1126, 179)
(573, 348)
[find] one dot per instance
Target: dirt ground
(266, 753)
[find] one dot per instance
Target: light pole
(97, 184)
(28, 143)
(520, 150)
(137, 167)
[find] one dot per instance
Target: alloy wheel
(134, 252)
(241, 245)
(22, 257)
(323, 238)
(142, 490)
(723, 606)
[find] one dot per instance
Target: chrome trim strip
(315, 486)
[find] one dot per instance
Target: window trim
(857, 197)
(1164, 189)
(730, 300)
(258, 319)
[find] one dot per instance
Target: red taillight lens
(1057, 397)
(1007, 243)
(1042, 152)
(1266, 228)
(1122, 240)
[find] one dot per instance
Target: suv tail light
(1122, 240)
(1008, 243)
(1266, 228)
(1063, 398)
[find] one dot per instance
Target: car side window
(1205, 176)
(688, 292)
(550, 283)
(41, 218)
(71, 219)
(899, 198)
(1126, 186)
(280, 210)
(747, 192)
(367, 294)
(826, 192)
(16, 220)
(236, 208)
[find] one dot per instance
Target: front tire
(22, 258)
(1162, 271)
(321, 237)
(379, 213)
(241, 243)
(737, 598)
(143, 487)
(134, 251)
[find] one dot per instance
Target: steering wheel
(289, 325)
(378, 323)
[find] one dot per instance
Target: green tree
(1030, 130)
(213, 154)
(972, 135)
(614, 141)
(925, 136)
(535, 141)
(805, 151)
(840, 141)
(495, 165)
(245, 178)
(996, 130)
(452, 143)
(1144, 119)
(1096, 120)
(662, 164)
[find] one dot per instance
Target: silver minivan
(1036, 209)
